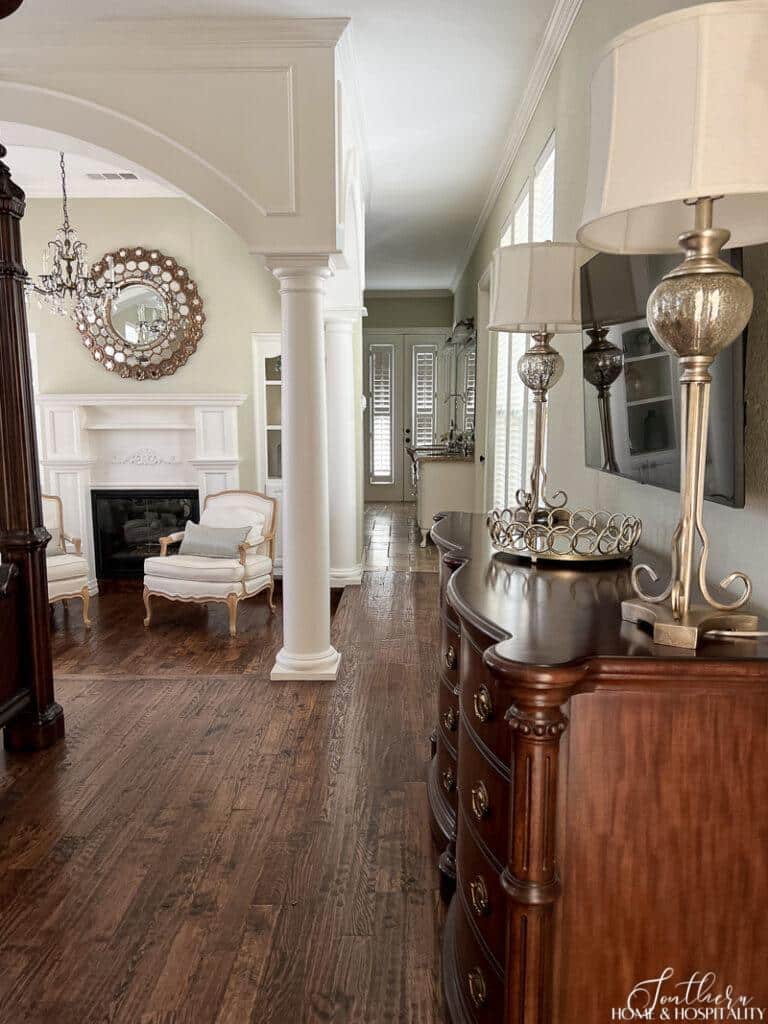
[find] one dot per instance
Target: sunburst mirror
(155, 321)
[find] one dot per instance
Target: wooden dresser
(14, 696)
(602, 801)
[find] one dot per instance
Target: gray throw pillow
(55, 546)
(213, 541)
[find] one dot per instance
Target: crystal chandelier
(150, 326)
(67, 285)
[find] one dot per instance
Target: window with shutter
(424, 397)
(470, 387)
(532, 220)
(544, 195)
(381, 390)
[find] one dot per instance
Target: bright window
(544, 195)
(381, 390)
(532, 219)
(424, 394)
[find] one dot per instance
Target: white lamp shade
(679, 110)
(535, 287)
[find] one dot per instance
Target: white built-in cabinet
(268, 384)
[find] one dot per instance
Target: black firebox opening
(128, 525)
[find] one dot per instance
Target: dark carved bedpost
(530, 878)
(22, 534)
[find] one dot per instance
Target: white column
(343, 412)
(307, 652)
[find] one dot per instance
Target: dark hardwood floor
(209, 847)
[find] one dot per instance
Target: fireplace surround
(128, 525)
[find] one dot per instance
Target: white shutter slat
(381, 388)
(424, 386)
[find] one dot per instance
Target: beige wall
(240, 297)
(564, 107)
(415, 310)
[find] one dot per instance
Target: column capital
(344, 314)
(299, 266)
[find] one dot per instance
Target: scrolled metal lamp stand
(695, 312)
(540, 368)
(603, 365)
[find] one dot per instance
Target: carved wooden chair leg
(272, 596)
(86, 604)
(232, 602)
(147, 607)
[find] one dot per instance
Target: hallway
(392, 539)
(207, 846)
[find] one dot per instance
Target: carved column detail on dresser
(530, 877)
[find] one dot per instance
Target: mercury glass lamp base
(688, 631)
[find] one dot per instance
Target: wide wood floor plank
(212, 848)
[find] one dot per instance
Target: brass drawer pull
(449, 782)
(478, 990)
(450, 657)
(480, 803)
(483, 704)
(478, 892)
(450, 719)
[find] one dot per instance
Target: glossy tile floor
(392, 540)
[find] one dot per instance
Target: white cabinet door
(268, 426)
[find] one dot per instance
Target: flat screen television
(632, 428)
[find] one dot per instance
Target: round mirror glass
(139, 315)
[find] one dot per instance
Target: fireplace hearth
(128, 525)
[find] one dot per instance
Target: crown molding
(555, 34)
(408, 293)
(160, 43)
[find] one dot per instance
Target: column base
(351, 577)
(320, 667)
(35, 732)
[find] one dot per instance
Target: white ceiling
(33, 156)
(440, 83)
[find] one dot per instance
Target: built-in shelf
(139, 426)
(648, 355)
(648, 401)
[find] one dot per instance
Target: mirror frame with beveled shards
(163, 343)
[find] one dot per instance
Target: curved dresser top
(555, 617)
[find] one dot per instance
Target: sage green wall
(240, 297)
(564, 107)
(408, 311)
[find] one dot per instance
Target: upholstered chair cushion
(198, 568)
(224, 514)
(66, 567)
(213, 542)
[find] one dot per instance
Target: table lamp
(679, 137)
(607, 299)
(535, 290)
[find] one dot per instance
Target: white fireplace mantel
(134, 442)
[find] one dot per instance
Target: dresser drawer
(449, 653)
(480, 882)
(484, 795)
(447, 774)
(449, 715)
(482, 705)
(481, 984)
